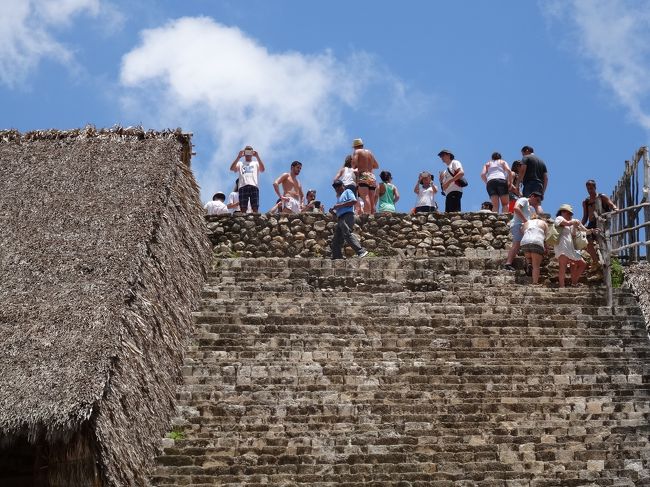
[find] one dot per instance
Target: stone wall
(309, 235)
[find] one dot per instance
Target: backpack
(552, 235)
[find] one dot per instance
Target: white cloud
(26, 33)
(205, 75)
(614, 34)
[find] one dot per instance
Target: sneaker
(363, 253)
(509, 267)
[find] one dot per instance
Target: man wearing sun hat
(364, 162)
(524, 209)
(564, 250)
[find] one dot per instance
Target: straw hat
(566, 207)
(357, 143)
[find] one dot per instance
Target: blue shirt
(346, 196)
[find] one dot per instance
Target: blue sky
(300, 80)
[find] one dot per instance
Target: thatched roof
(103, 252)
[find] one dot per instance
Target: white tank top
(348, 176)
(534, 234)
(496, 170)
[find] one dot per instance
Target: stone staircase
(414, 372)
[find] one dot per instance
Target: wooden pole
(646, 197)
(603, 242)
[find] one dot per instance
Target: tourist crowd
(518, 190)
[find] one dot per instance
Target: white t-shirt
(525, 208)
(248, 172)
(234, 198)
(426, 197)
(216, 207)
(454, 166)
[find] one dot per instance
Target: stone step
(445, 391)
(198, 359)
(425, 432)
(330, 338)
(432, 345)
(318, 309)
(508, 296)
(587, 329)
(454, 316)
(311, 265)
(510, 460)
(500, 392)
(423, 474)
(361, 284)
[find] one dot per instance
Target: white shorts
(292, 204)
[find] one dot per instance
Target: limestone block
(595, 465)
(320, 225)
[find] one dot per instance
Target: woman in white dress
(532, 243)
(565, 252)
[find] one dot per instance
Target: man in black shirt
(532, 172)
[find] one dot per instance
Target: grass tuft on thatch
(104, 252)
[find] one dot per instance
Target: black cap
(537, 193)
(337, 183)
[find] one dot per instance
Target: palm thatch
(103, 254)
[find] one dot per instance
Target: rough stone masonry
(308, 235)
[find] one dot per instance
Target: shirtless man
(291, 188)
(596, 203)
(365, 163)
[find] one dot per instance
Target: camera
(248, 152)
(316, 204)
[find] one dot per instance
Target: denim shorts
(516, 232)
